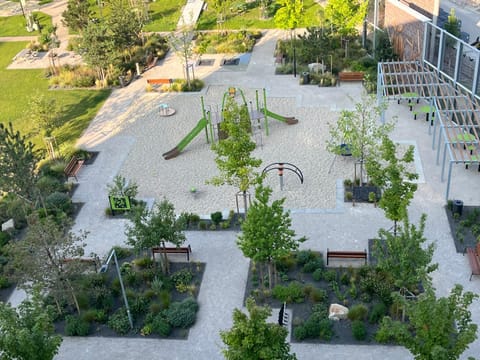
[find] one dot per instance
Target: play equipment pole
(204, 114)
(265, 109)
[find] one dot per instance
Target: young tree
(220, 7)
(98, 49)
(18, 162)
(360, 130)
(77, 15)
(391, 175)
(45, 113)
(182, 43)
(453, 24)
(405, 256)
(266, 234)
(437, 329)
(251, 337)
(155, 227)
(45, 257)
(346, 15)
(234, 161)
(289, 15)
(28, 332)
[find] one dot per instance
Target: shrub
(358, 312)
(58, 201)
(165, 298)
(359, 330)
(74, 326)
(293, 292)
(300, 333)
(325, 329)
(161, 326)
(139, 305)
(155, 308)
(330, 275)
(344, 278)
(304, 256)
(182, 277)
(308, 289)
(216, 217)
(286, 263)
(49, 184)
(4, 282)
(313, 265)
(144, 262)
(118, 322)
(317, 274)
(202, 225)
(92, 315)
(318, 295)
(182, 314)
(377, 313)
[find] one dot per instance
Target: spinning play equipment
(210, 122)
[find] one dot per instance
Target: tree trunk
(260, 276)
(245, 205)
(164, 259)
(270, 275)
(74, 297)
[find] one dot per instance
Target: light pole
(104, 268)
(294, 55)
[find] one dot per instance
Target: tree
(182, 43)
(98, 49)
(405, 256)
(45, 113)
(28, 333)
(437, 329)
(346, 15)
(18, 162)
(251, 337)
(77, 15)
(453, 24)
(289, 15)
(125, 25)
(46, 257)
(391, 175)
(234, 161)
(360, 130)
(266, 234)
(155, 227)
(220, 7)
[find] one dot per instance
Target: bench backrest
(159, 81)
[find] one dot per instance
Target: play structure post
(204, 114)
(265, 110)
(280, 175)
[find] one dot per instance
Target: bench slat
(73, 167)
(347, 255)
(474, 262)
(172, 250)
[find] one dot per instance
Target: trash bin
(121, 79)
(457, 207)
(306, 77)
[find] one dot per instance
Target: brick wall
(405, 28)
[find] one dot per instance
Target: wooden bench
(347, 255)
(172, 250)
(350, 76)
(474, 261)
(73, 167)
(159, 82)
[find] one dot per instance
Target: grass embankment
(16, 25)
(17, 88)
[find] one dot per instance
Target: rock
(8, 225)
(316, 67)
(337, 312)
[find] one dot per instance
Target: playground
(301, 144)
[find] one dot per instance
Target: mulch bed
(465, 228)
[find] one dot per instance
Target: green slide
(288, 120)
(202, 123)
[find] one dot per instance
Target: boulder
(337, 312)
(316, 67)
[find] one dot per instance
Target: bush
(216, 217)
(317, 275)
(318, 295)
(304, 256)
(161, 326)
(182, 277)
(313, 265)
(293, 292)
(92, 315)
(144, 262)
(300, 333)
(118, 322)
(377, 313)
(358, 312)
(74, 326)
(58, 201)
(49, 184)
(330, 275)
(182, 314)
(4, 282)
(139, 305)
(359, 330)
(325, 329)
(202, 225)
(286, 263)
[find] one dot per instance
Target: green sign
(119, 202)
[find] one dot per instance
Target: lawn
(16, 25)
(18, 86)
(250, 18)
(164, 15)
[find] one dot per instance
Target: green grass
(164, 15)
(18, 86)
(250, 19)
(16, 25)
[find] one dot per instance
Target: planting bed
(465, 228)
